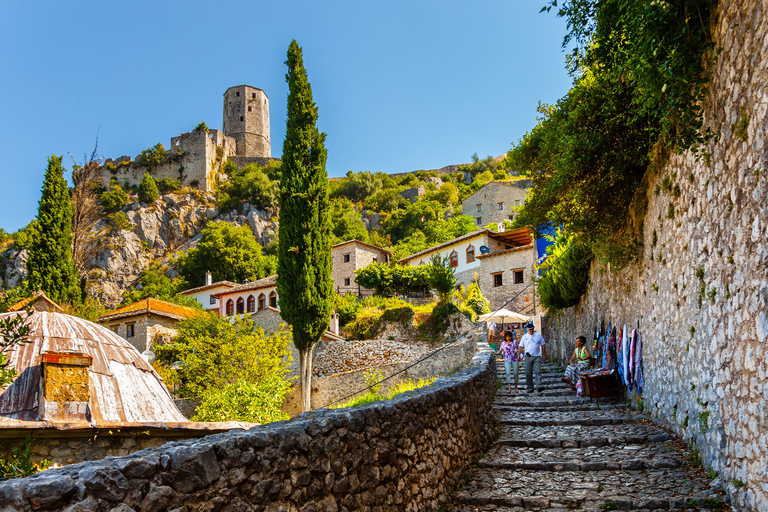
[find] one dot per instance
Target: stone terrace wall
(700, 289)
(403, 454)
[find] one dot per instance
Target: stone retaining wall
(404, 454)
(700, 287)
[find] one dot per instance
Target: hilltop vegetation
(131, 242)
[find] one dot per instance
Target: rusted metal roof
(150, 305)
(124, 389)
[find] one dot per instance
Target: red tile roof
(149, 305)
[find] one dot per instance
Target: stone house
(249, 297)
(147, 322)
(39, 302)
(352, 255)
(494, 202)
(206, 295)
(502, 261)
(259, 299)
(196, 158)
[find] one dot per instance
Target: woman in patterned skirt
(578, 364)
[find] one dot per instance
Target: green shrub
(201, 127)
(167, 185)
(19, 465)
(148, 192)
(118, 221)
(113, 199)
(566, 273)
(152, 157)
(245, 401)
(441, 278)
(346, 307)
(434, 326)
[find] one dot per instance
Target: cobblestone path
(559, 452)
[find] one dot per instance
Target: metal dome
(123, 387)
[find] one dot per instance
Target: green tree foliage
(304, 282)
(471, 301)
(50, 267)
(201, 127)
(385, 200)
(4, 236)
(404, 223)
(392, 279)
(447, 195)
(153, 157)
(13, 331)
(566, 273)
(358, 186)
(155, 284)
(22, 239)
(441, 278)
(224, 362)
(253, 183)
(113, 199)
(230, 253)
(347, 222)
(148, 192)
(640, 73)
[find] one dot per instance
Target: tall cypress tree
(304, 282)
(50, 266)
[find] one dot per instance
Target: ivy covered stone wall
(403, 454)
(699, 289)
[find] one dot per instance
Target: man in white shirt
(491, 331)
(533, 345)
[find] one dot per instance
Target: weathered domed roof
(123, 387)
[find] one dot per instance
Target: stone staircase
(559, 452)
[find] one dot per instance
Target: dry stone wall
(700, 288)
(404, 454)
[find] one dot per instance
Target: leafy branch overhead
(640, 72)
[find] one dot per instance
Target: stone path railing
(403, 454)
(560, 452)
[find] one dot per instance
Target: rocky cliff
(155, 233)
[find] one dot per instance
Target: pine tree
(304, 282)
(50, 266)
(148, 192)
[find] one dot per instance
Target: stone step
(614, 457)
(665, 488)
(565, 418)
(574, 436)
(580, 407)
(536, 400)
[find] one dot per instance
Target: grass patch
(373, 395)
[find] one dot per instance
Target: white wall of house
(461, 250)
(206, 297)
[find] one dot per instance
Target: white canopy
(503, 316)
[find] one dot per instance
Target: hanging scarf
(631, 368)
(613, 360)
(624, 354)
(639, 381)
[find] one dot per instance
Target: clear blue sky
(400, 85)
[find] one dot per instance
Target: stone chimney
(334, 327)
(208, 279)
(65, 387)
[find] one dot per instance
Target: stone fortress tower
(246, 119)
(196, 158)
